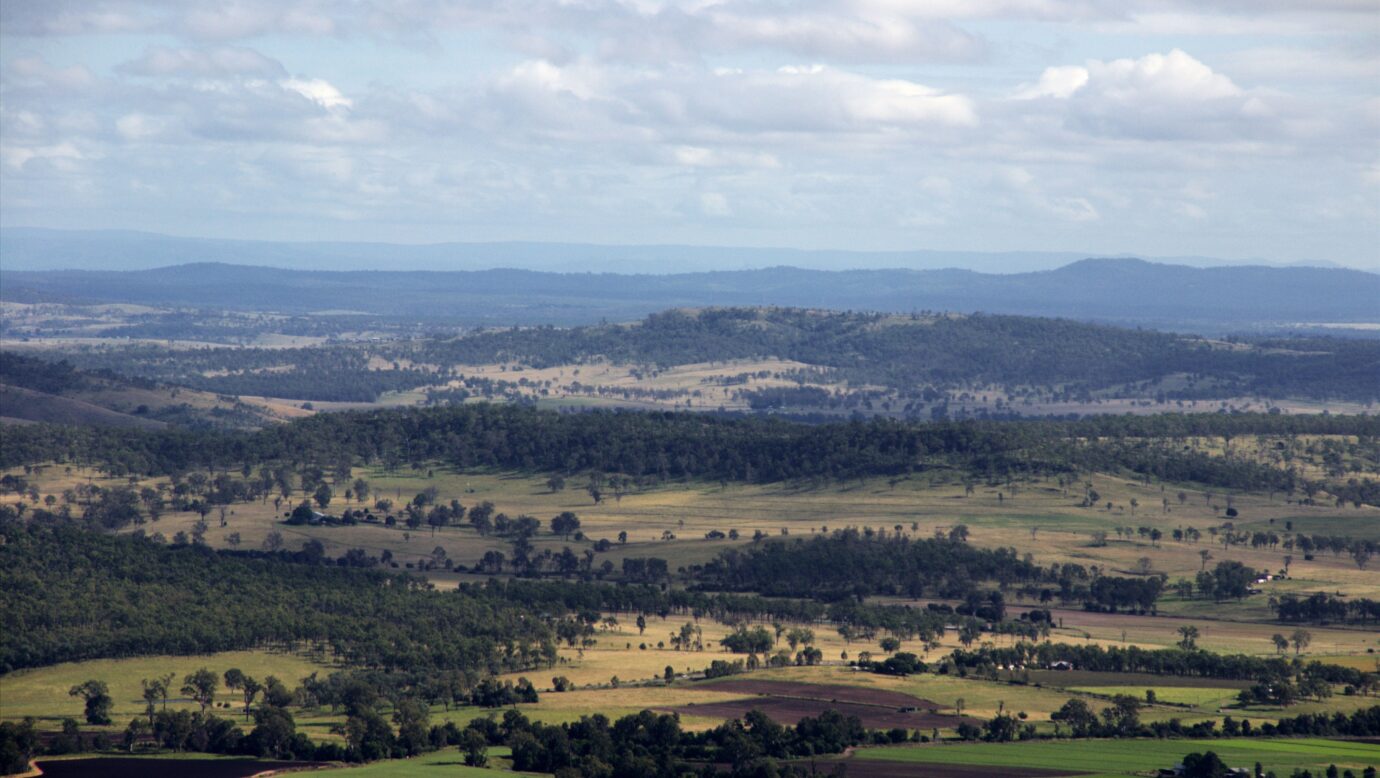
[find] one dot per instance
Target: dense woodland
(84, 594)
(74, 594)
(52, 377)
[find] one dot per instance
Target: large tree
(201, 687)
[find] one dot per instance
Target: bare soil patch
(860, 695)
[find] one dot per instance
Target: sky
(1229, 128)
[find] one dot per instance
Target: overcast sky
(1236, 128)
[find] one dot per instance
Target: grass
(1118, 758)
(42, 692)
(447, 762)
(1178, 695)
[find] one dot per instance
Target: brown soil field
(133, 767)
(820, 692)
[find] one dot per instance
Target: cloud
(701, 157)
(1074, 209)
(714, 204)
(318, 91)
(138, 127)
(814, 120)
(692, 103)
(1169, 96)
(1058, 82)
(239, 19)
(74, 17)
(851, 33)
(1172, 77)
(64, 155)
(820, 98)
(1175, 77)
(36, 71)
(221, 61)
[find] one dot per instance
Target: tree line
(849, 563)
(661, 446)
(1194, 662)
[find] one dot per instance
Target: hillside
(33, 390)
(944, 351)
(1123, 291)
(774, 359)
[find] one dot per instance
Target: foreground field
(177, 765)
(1122, 758)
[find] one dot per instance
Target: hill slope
(33, 390)
(806, 357)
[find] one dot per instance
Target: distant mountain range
(27, 248)
(1121, 291)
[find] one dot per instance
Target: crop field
(1121, 758)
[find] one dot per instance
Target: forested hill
(904, 352)
(915, 357)
(1113, 290)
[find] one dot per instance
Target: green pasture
(448, 762)
(1125, 758)
(1177, 695)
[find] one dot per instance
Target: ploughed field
(787, 702)
(134, 767)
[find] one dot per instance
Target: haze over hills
(1122, 291)
(28, 248)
